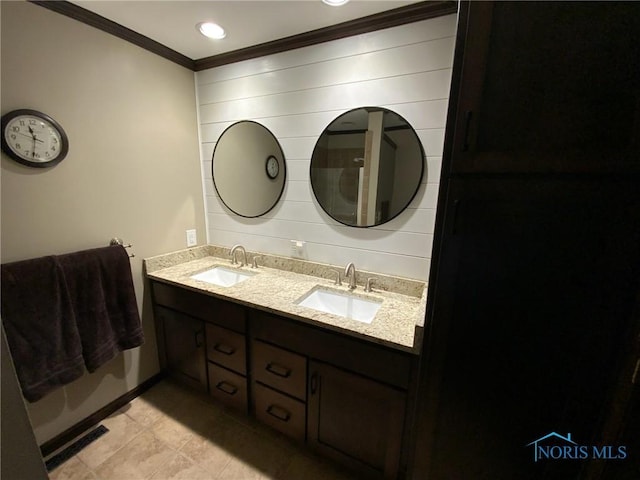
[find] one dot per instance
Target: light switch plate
(192, 239)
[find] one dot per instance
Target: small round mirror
(248, 169)
(366, 166)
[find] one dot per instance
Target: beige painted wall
(132, 171)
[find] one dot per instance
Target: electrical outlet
(297, 248)
(192, 239)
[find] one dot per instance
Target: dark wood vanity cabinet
(345, 397)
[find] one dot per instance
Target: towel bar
(118, 241)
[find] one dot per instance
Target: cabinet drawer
(280, 412)
(374, 361)
(228, 387)
(280, 369)
(200, 305)
(226, 348)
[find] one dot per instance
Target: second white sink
(224, 277)
(342, 304)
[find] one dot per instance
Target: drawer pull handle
(222, 348)
(227, 388)
(278, 370)
(279, 413)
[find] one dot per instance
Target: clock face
(273, 167)
(33, 138)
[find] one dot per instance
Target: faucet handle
(254, 261)
(336, 273)
(367, 287)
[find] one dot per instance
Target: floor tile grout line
(119, 449)
(239, 424)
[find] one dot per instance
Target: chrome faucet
(350, 272)
(233, 255)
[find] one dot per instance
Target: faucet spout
(350, 273)
(234, 249)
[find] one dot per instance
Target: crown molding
(391, 18)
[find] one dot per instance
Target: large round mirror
(366, 166)
(248, 169)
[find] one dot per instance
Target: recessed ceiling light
(211, 30)
(335, 3)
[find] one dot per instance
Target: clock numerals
(33, 138)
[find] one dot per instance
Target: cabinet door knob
(199, 338)
(279, 413)
(313, 383)
(225, 349)
(227, 388)
(454, 217)
(467, 127)
(278, 370)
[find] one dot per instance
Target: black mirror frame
(283, 170)
(422, 165)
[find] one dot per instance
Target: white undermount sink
(342, 304)
(224, 277)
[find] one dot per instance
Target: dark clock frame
(64, 140)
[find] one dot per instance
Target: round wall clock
(272, 166)
(33, 138)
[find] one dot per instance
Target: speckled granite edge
(167, 260)
(278, 284)
(404, 286)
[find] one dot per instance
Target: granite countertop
(397, 324)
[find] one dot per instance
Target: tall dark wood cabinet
(547, 87)
(533, 313)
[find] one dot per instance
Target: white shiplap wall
(296, 94)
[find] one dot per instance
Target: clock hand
(30, 136)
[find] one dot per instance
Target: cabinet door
(546, 87)
(532, 317)
(184, 346)
(355, 420)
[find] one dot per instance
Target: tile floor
(171, 432)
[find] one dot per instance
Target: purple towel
(40, 325)
(104, 302)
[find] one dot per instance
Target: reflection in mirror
(367, 166)
(248, 169)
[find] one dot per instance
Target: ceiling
(172, 23)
